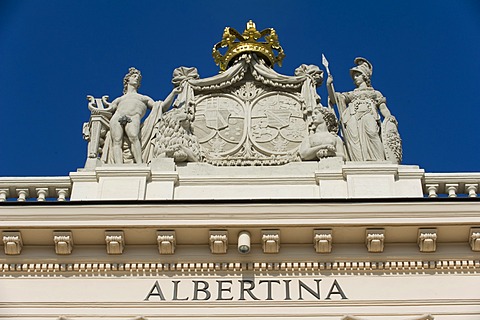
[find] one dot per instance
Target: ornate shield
(219, 124)
(277, 123)
(250, 124)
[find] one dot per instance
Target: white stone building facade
(243, 204)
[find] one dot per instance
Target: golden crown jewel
(248, 42)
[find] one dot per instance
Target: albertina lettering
(238, 290)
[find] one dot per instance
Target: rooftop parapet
(451, 184)
(203, 181)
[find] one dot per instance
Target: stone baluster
(22, 195)
(4, 194)
(62, 194)
(41, 194)
(451, 190)
(432, 190)
(471, 190)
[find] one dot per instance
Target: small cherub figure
(324, 142)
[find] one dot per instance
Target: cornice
(39, 181)
(452, 177)
(293, 213)
(404, 223)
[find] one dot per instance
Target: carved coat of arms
(251, 115)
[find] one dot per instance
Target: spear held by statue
(332, 100)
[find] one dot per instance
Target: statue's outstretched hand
(177, 90)
(393, 119)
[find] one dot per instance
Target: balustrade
(41, 189)
(451, 185)
(48, 189)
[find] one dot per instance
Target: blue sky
(425, 54)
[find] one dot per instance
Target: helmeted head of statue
(136, 76)
(364, 67)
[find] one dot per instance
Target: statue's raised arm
(165, 104)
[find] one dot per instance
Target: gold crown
(248, 42)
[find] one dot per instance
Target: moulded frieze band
(83, 267)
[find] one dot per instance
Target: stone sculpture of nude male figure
(128, 111)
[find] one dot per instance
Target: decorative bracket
(63, 242)
(375, 239)
(166, 242)
(12, 241)
(322, 240)
(271, 241)
(218, 241)
(115, 242)
(427, 240)
(475, 239)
